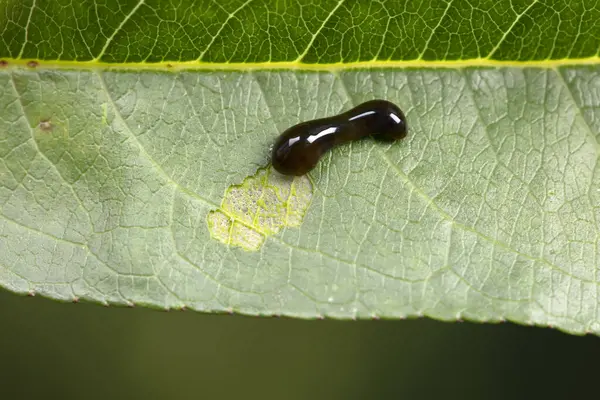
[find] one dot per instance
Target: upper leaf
(328, 31)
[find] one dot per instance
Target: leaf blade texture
(487, 211)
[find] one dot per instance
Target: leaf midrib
(178, 66)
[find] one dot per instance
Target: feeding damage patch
(260, 206)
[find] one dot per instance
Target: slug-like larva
(300, 147)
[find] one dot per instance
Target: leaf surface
(151, 184)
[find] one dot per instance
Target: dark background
(86, 351)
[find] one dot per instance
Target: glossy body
(299, 148)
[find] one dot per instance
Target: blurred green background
(86, 351)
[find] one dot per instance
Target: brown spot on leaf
(46, 125)
(3, 63)
(33, 64)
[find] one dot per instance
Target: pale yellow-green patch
(260, 206)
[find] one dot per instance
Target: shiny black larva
(299, 148)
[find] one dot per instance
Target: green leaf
(128, 182)
(288, 30)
